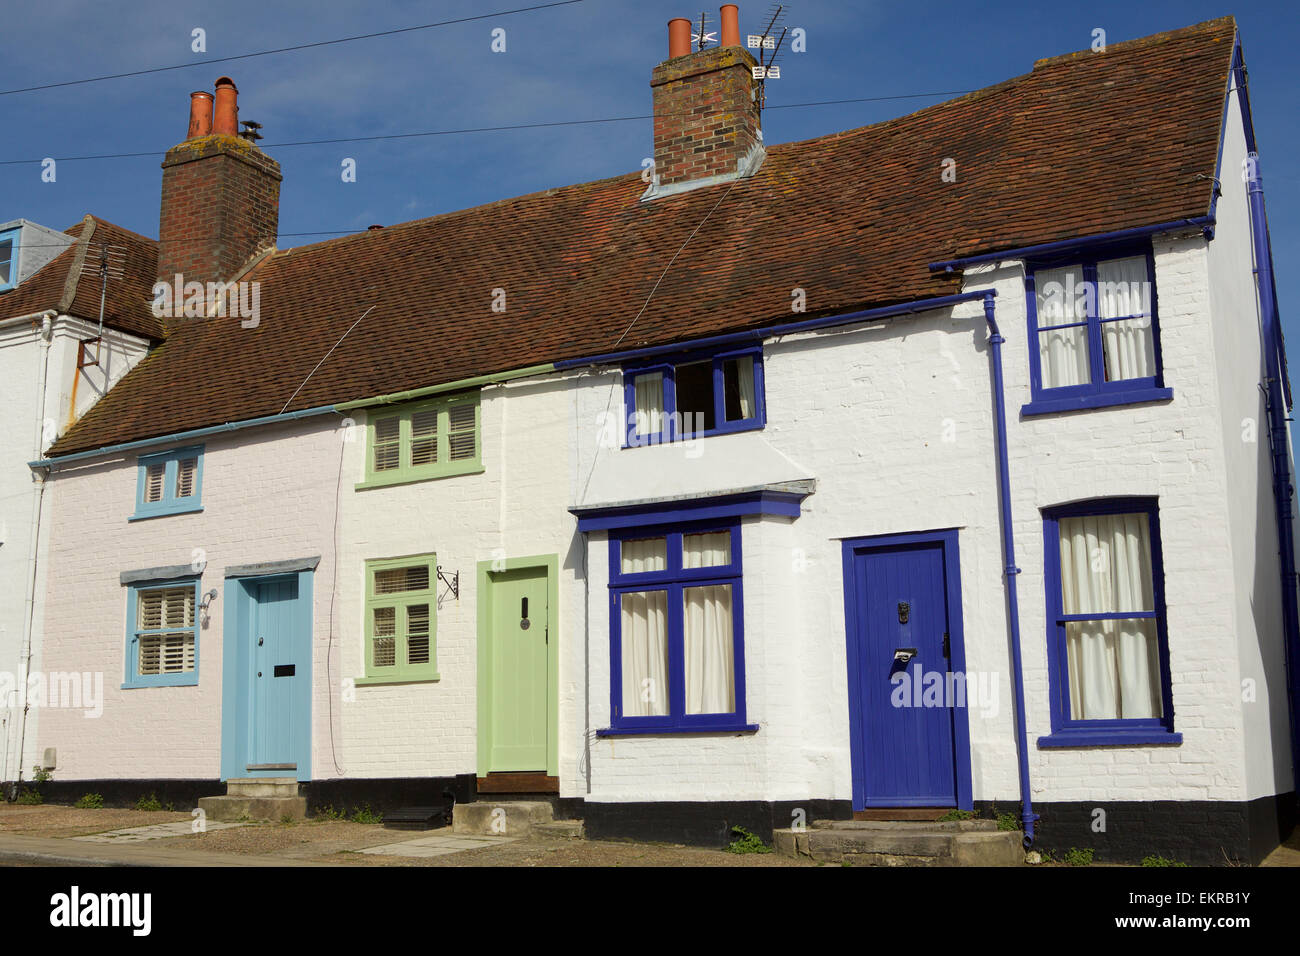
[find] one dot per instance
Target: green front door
(518, 649)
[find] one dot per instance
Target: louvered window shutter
(462, 437)
(153, 481)
(424, 437)
(417, 634)
(165, 630)
(385, 637)
(187, 470)
(387, 450)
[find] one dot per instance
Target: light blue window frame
(10, 236)
(169, 504)
(133, 678)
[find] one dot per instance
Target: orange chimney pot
(679, 37)
(200, 114)
(730, 24)
(225, 120)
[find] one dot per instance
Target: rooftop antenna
(768, 46)
(111, 265)
(703, 37)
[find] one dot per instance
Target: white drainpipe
(44, 337)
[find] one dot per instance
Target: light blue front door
(266, 700)
(273, 726)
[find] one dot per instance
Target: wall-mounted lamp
(207, 601)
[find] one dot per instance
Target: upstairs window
(169, 483)
(1094, 333)
(163, 634)
(8, 259)
(429, 439)
(696, 396)
(401, 619)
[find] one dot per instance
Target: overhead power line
(287, 49)
(482, 129)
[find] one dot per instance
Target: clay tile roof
(126, 303)
(1084, 144)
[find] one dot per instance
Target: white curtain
(1113, 664)
(644, 650)
(649, 389)
(643, 554)
(1062, 353)
(744, 375)
(1124, 290)
(706, 550)
(707, 635)
(708, 647)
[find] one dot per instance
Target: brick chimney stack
(706, 115)
(220, 194)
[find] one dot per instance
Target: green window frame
(436, 438)
(401, 619)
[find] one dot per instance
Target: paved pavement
(130, 847)
(437, 845)
(56, 851)
(157, 831)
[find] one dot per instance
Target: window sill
(1048, 406)
(397, 679)
(676, 731)
(1109, 738)
(732, 428)
(469, 468)
(180, 680)
(166, 512)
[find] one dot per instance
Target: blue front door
(274, 725)
(900, 640)
(266, 697)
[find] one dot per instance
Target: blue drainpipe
(1027, 815)
(1283, 489)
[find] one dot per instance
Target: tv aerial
(769, 46)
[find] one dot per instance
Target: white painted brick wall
(27, 410)
(866, 412)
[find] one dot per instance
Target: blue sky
(586, 60)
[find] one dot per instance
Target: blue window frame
(8, 259)
(677, 652)
(694, 395)
(1094, 331)
(1107, 640)
(162, 633)
(169, 483)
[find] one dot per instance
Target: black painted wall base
(383, 794)
(1202, 832)
(124, 794)
(346, 795)
(703, 824)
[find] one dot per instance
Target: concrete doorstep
(260, 799)
(870, 843)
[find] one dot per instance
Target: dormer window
(695, 396)
(8, 259)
